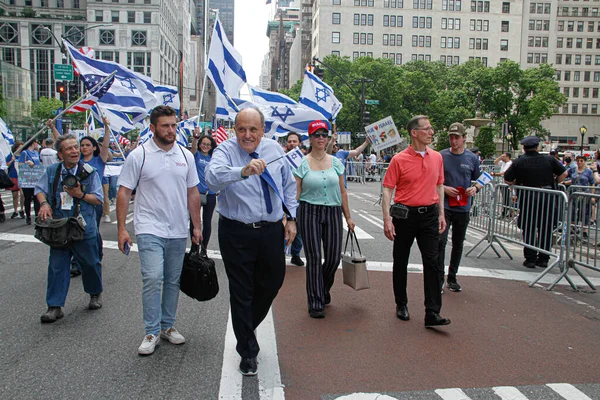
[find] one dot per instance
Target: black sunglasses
(317, 135)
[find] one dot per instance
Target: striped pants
(320, 224)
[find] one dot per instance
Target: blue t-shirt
(201, 163)
(97, 163)
(29, 155)
(459, 171)
(585, 178)
(342, 155)
(12, 170)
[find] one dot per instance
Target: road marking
(360, 234)
(360, 198)
(127, 220)
(231, 378)
(569, 392)
(509, 393)
(269, 374)
(365, 214)
(452, 394)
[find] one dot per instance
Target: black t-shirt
(533, 169)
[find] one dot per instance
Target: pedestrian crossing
(555, 391)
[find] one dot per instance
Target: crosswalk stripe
(360, 234)
(452, 394)
(374, 220)
(509, 393)
(368, 218)
(568, 391)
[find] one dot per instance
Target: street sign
(372, 102)
(63, 72)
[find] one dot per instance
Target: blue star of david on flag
(126, 83)
(277, 114)
(321, 94)
(167, 98)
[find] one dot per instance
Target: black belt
(254, 225)
(422, 209)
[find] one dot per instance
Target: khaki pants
(106, 204)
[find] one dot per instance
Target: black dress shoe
(28, 221)
(51, 315)
(529, 264)
(327, 298)
(296, 260)
(434, 319)
(316, 313)
(248, 366)
(75, 272)
(402, 313)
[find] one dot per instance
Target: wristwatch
(291, 219)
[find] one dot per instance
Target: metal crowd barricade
(375, 172)
(355, 171)
(580, 235)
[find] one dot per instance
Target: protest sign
(383, 134)
(29, 176)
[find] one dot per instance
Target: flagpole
(111, 132)
(79, 100)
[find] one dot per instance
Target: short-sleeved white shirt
(504, 166)
(161, 197)
(48, 156)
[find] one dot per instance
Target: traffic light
(73, 92)
(319, 72)
(62, 90)
(366, 117)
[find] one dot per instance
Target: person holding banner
(30, 157)
(323, 200)
(253, 200)
(208, 198)
(417, 175)
(460, 169)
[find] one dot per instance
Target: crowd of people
(266, 205)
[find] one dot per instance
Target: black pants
(254, 260)
(459, 222)
(423, 227)
(207, 213)
(28, 197)
(320, 224)
(537, 219)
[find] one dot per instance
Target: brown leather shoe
(51, 315)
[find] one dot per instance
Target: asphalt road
(505, 336)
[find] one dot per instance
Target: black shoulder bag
(60, 233)
(198, 276)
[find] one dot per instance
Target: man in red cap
(461, 167)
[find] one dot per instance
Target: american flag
(220, 135)
(86, 51)
(122, 139)
(90, 81)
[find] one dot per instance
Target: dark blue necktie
(265, 185)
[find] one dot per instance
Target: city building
(226, 15)
(563, 33)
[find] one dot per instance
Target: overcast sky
(250, 32)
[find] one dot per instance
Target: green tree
(3, 112)
(485, 142)
(42, 109)
(443, 140)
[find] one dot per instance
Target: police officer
(537, 171)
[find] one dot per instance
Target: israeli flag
(484, 179)
(131, 92)
(6, 133)
(119, 121)
(294, 157)
(145, 134)
(168, 96)
(318, 95)
(225, 65)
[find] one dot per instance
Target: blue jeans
(74, 262)
(297, 245)
(162, 260)
(86, 253)
(112, 188)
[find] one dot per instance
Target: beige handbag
(354, 265)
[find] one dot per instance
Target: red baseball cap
(461, 200)
(316, 125)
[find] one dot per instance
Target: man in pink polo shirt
(417, 175)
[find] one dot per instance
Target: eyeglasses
(320, 135)
(427, 129)
(205, 144)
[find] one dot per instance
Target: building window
(370, 20)
(356, 19)
(40, 34)
(114, 16)
(399, 21)
(99, 16)
(138, 38)
(335, 37)
(107, 37)
(363, 38)
(504, 45)
(61, 4)
(147, 17)
(9, 33)
(574, 108)
(139, 62)
(355, 38)
(386, 20)
(335, 53)
(337, 2)
(505, 25)
(369, 38)
(506, 7)
(336, 18)
(131, 17)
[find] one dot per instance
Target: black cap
(530, 141)
(474, 149)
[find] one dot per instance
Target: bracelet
(43, 203)
(82, 198)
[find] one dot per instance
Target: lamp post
(508, 138)
(582, 131)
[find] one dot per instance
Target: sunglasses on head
(320, 134)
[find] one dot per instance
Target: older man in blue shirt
(252, 204)
(59, 201)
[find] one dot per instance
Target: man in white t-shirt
(165, 178)
(504, 162)
(48, 155)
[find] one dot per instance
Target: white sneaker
(172, 336)
(107, 218)
(148, 344)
